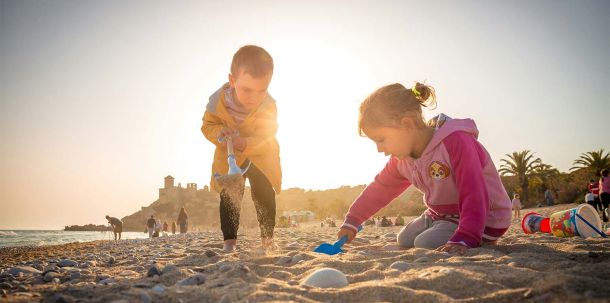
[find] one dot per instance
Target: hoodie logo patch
(438, 171)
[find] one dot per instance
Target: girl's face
(395, 141)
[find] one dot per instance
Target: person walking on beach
(173, 227)
(117, 226)
(165, 228)
(516, 207)
(594, 189)
(183, 220)
(548, 197)
(243, 110)
(604, 193)
(150, 224)
(466, 201)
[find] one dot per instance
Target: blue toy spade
(333, 249)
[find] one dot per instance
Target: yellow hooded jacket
(259, 129)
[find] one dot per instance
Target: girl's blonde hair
(386, 106)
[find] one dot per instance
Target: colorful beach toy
(580, 221)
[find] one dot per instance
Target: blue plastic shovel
(333, 249)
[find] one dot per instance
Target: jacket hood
(445, 126)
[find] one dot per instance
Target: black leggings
(263, 196)
(605, 200)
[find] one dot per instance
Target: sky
(100, 100)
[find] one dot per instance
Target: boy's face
(250, 92)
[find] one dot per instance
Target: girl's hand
(453, 248)
(344, 231)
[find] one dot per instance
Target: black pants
(263, 196)
(605, 199)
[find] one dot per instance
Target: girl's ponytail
(424, 94)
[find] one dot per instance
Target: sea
(13, 238)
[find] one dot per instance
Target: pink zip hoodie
(459, 181)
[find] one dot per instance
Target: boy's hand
(453, 248)
(344, 231)
(239, 143)
(226, 132)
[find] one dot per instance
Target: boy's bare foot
(229, 245)
(268, 244)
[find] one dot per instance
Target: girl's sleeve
(468, 158)
(388, 184)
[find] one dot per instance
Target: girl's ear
(407, 123)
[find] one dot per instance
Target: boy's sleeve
(264, 136)
(388, 184)
(212, 125)
(467, 160)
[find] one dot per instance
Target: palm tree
(521, 164)
(593, 160)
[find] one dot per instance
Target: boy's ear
(231, 80)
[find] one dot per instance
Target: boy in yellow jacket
(243, 110)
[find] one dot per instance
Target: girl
(517, 207)
(467, 204)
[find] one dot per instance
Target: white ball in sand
(326, 278)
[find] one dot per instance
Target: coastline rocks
(67, 263)
(326, 278)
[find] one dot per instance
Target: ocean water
(11, 238)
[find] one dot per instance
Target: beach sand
(193, 268)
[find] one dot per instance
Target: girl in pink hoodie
(467, 203)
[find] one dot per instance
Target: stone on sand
(67, 263)
(192, 280)
(326, 278)
(400, 265)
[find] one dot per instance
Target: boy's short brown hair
(255, 61)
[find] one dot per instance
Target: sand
(193, 268)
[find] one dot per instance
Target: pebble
(145, 297)
(210, 253)
(296, 259)
(22, 287)
(284, 260)
(225, 268)
(111, 260)
(169, 268)
(422, 260)
(49, 276)
(108, 281)
(158, 289)
(67, 263)
(400, 265)
(153, 270)
(26, 270)
(5, 285)
(192, 280)
(59, 298)
(326, 278)
(446, 271)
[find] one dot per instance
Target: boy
(243, 110)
